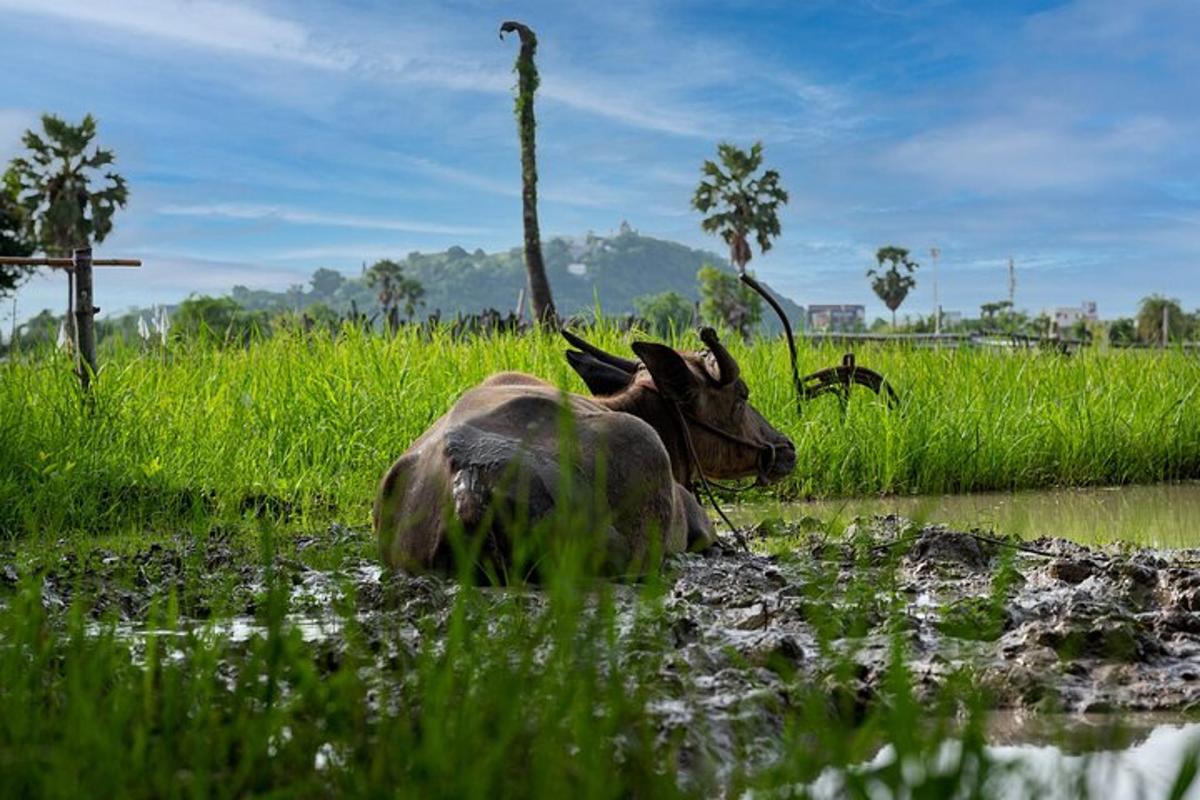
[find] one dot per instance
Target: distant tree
(1042, 324)
(667, 312)
(295, 296)
(988, 311)
(326, 282)
(1150, 320)
(321, 316)
(739, 201)
(724, 300)
(218, 319)
(527, 84)
(57, 181)
(1122, 332)
(15, 239)
(893, 284)
(395, 290)
(39, 331)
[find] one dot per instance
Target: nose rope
(691, 450)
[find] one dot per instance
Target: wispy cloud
(297, 216)
(1030, 154)
(211, 24)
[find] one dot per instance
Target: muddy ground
(1043, 624)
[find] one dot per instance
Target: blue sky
(265, 139)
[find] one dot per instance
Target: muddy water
(1162, 515)
(1048, 628)
(1144, 763)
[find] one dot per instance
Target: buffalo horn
(623, 364)
(725, 364)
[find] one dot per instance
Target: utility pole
(1012, 283)
(934, 252)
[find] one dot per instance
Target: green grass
(500, 697)
(307, 426)
(511, 694)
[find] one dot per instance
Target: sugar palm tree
(56, 182)
(395, 289)
(540, 298)
(892, 285)
(739, 201)
(56, 179)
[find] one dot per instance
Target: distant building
(951, 318)
(1066, 316)
(843, 318)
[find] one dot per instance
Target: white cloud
(578, 192)
(211, 24)
(296, 216)
(1029, 154)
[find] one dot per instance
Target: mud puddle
(1043, 626)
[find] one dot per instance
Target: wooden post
(85, 315)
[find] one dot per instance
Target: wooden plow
(834, 380)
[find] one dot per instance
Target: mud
(1044, 625)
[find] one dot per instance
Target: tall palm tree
(55, 181)
(527, 84)
(55, 184)
(891, 285)
(1150, 319)
(742, 202)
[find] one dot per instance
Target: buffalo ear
(670, 372)
(601, 379)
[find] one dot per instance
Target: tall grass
(308, 424)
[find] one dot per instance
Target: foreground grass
(305, 426)
(523, 693)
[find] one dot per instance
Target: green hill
(582, 271)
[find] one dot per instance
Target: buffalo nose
(785, 458)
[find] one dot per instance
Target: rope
(691, 449)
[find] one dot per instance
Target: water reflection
(1162, 515)
(1148, 767)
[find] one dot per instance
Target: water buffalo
(492, 466)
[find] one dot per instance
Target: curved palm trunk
(540, 298)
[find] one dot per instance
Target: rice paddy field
(311, 423)
(191, 605)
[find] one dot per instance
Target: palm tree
(394, 288)
(527, 84)
(891, 285)
(1150, 319)
(741, 201)
(55, 180)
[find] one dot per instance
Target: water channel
(1160, 515)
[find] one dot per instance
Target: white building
(1066, 316)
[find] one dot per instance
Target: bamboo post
(79, 267)
(85, 315)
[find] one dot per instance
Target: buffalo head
(731, 438)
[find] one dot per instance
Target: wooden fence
(82, 296)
